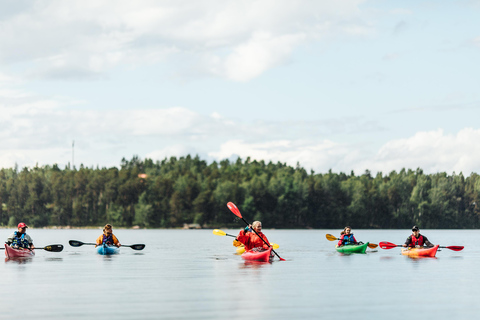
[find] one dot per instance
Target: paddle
(389, 245)
(236, 212)
(219, 232)
(51, 248)
(332, 238)
(76, 243)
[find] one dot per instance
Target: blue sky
(340, 85)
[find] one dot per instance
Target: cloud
(225, 38)
(432, 151)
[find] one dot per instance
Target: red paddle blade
(234, 209)
(455, 248)
(387, 245)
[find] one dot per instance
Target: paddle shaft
(263, 240)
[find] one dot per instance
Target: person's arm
(427, 242)
(30, 241)
(99, 240)
(408, 241)
(265, 246)
(10, 239)
(340, 242)
(243, 236)
(354, 240)
(115, 241)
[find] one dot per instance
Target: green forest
(175, 191)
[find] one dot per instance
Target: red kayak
(420, 252)
(16, 253)
(265, 255)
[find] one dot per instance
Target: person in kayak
(250, 238)
(108, 237)
(346, 237)
(20, 238)
(417, 240)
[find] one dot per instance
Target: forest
(187, 190)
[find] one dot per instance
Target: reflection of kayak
(420, 252)
(15, 253)
(352, 248)
(263, 255)
(105, 249)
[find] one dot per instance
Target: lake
(193, 274)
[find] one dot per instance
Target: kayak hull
(352, 248)
(105, 249)
(18, 253)
(264, 255)
(420, 252)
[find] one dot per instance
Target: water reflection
(19, 260)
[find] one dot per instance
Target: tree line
(175, 191)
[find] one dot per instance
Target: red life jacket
(251, 240)
(417, 241)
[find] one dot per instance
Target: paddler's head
(107, 230)
(257, 226)
(347, 230)
(22, 227)
(415, 231)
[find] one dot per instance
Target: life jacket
(417, 241)
(108, 239)
(348, 239)
(20, 241)
(251, 240)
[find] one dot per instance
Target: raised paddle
(76, 243)
(219, 232)
(51, 248)
(389, 245)
(236, 212)
(333, 238)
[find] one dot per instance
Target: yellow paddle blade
(219, 232)
(330, 237)
(372, 245)
(240, 250)
(274, 246)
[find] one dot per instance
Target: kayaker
(108, 237)
(250, 239)
(20, 238)
(417, 240)
(346, 237)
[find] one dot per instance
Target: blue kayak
(106, 249)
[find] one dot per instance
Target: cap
(22, 225)
(414, 228)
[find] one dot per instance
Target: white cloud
(235, 40)
(431, 151)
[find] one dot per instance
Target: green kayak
(361, 248)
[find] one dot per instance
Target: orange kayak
(265, 255)
(420, 252)
(16, 253)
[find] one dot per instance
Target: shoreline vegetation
(189, 193)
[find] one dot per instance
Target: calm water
(193, 274)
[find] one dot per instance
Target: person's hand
(404, 245)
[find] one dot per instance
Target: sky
(347, 85)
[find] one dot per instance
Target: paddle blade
(53, 248)
(330, 237)
(387, 245)
(219, 232)
(454, 248)
(372, 245)
(234, 209)
(137, 246)
(75, 243)
(274, 245)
